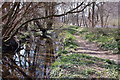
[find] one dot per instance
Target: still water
(33, 61)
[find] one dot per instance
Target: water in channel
(34, 60)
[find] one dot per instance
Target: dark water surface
(33, 61)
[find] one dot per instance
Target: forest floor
(84, 59)
(92, 49)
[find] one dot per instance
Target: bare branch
(69, 12)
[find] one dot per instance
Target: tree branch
(69, 12)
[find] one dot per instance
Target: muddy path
(92, 49)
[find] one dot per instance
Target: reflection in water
(33, 61)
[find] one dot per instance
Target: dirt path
(93, 50)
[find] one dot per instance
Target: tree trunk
(93, 15)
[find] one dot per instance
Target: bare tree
(19, 18)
